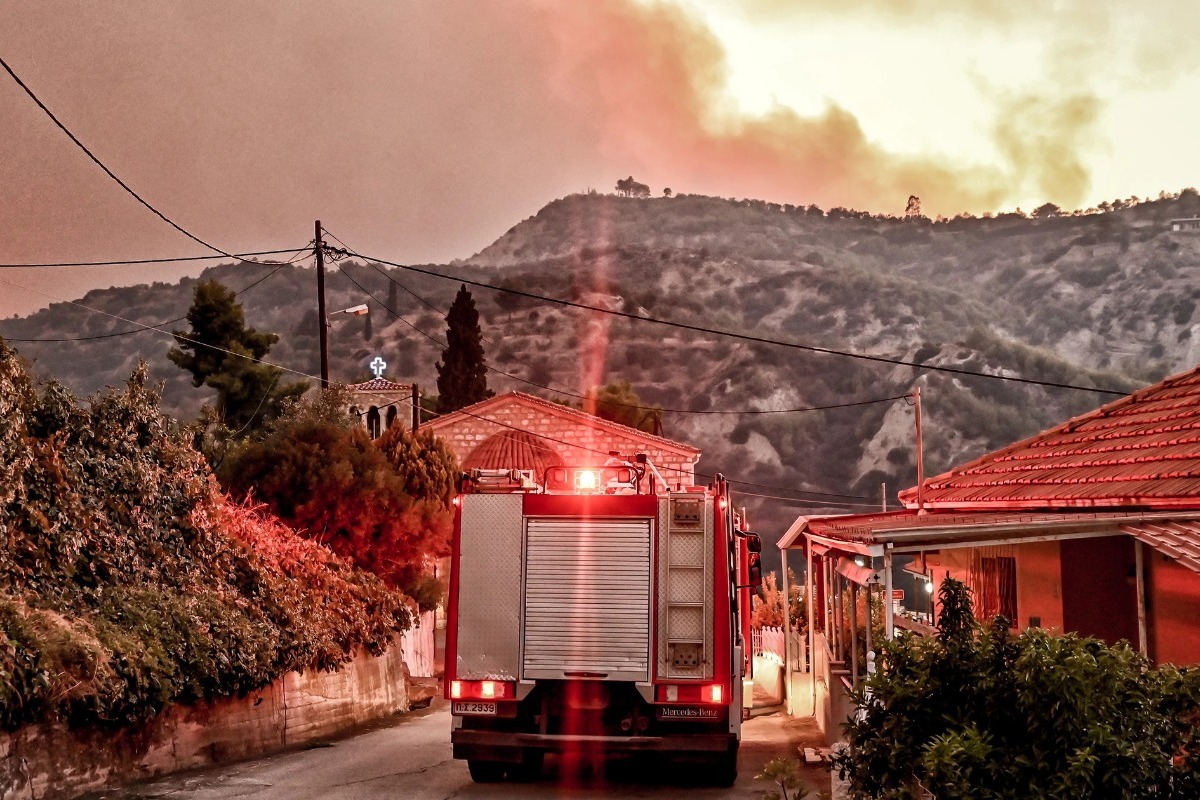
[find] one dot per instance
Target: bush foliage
(981, 713)
(383, 504)
(128, 582)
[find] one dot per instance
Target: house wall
(1039, 582)
(588, 445)
(1099, 588)
(1172, 601)
(1039, 586)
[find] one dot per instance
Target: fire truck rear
(594, 611)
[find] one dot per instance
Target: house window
(373, 423)
(997, 593)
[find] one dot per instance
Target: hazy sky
(421, 130)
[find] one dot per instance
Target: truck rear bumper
(507, 746)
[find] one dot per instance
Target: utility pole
(319, 249)
(920, 456)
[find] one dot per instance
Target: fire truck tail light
(691, 693)
(457, 501)
(481, 690)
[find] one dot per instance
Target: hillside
(1104, 300)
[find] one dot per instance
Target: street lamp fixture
(354, 311)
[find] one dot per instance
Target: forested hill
(1105, 299)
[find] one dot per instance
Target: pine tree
(222, 353)
(462, 372)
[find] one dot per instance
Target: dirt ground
(771, 733)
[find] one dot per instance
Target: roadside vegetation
(129, 581)
(981, 713)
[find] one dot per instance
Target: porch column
(853, 634)
(1140, 568)
(787, 634)
(889, 621)
(812, 627)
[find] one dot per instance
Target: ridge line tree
(225, 355)
(462, 372)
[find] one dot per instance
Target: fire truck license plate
(463, 707)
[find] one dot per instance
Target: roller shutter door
(587, 599)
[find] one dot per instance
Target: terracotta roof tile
(1141, 451)
(513, 450)
(380, 385)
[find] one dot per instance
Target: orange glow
(488, 690)
(456, 689)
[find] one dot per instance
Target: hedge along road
(408, 755)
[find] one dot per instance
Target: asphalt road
(408, 756)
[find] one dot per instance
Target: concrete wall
(51, 760)
(768, 681)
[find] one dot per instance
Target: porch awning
(861, 575)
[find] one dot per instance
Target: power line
(678, 470)
(461, 411)
(136, 261)
(740, 336)
(495, 345)
(102, 166)
(166, 322)
(725, 412)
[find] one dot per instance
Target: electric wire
(409, 403)
(746, 337)
(104, 167)
(252, 359)
(496, 347)
(174, 336)
(136, 261)
(280, 265)
(569, 393)
(440, 343)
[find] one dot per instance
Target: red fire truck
(593, 611)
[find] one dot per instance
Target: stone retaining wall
(52, 761)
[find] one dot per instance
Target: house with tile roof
(520, 431)
(1090, 527)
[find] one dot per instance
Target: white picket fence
(768, 642)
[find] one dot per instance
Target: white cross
(378, 366)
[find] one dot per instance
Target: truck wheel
(485, 771)
(530, 767)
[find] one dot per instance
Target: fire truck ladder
(687, 652)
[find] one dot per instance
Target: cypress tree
(462, 372)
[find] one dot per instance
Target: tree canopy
(462, 372)
(385, 505)
(628, 187)
(128, 582)
(618, 402)
(223, 354)
(980, 713)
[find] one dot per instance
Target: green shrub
(980, 713)
(129, 583)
